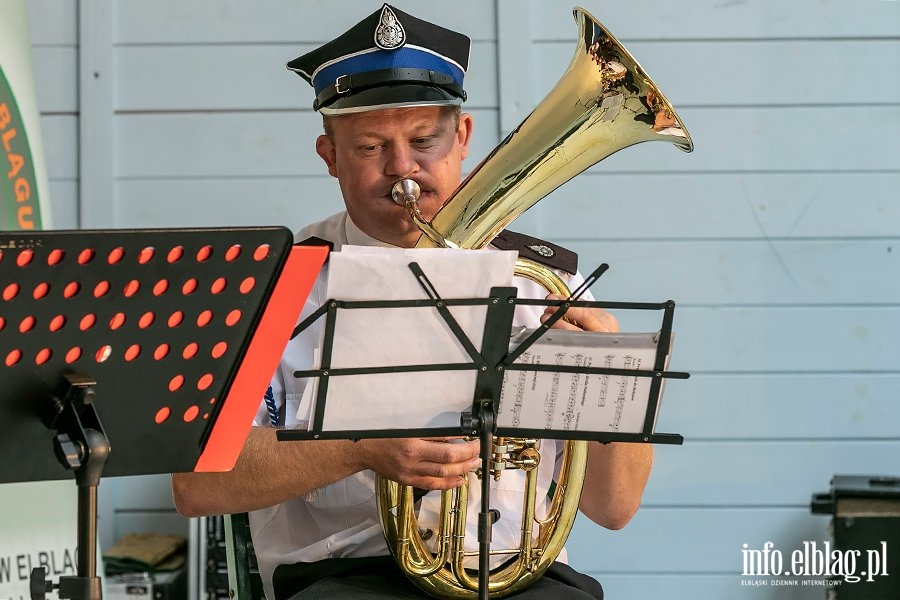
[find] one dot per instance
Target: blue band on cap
(402, 58)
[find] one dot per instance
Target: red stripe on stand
(255, 373)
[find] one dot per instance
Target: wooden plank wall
(778, 237)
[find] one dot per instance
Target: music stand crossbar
(489, 363)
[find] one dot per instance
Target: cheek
(452, 173)
(353, 174)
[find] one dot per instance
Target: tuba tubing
(603, 102)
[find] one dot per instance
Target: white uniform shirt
(341, 520)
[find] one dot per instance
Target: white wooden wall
(778, 237)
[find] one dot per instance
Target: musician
(314, 515)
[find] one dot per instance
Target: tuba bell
(604, 102)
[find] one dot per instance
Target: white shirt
(341, 520)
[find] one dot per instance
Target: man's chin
(401, 232)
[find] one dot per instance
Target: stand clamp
(81, 446)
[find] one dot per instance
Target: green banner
(24, 202)
(18, 184)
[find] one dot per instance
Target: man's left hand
(581, 318)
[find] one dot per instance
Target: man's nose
(400, 161)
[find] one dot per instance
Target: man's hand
(581, 318)
(431, 464)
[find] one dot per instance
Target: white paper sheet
(404, 336)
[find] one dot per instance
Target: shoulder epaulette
(540, 251)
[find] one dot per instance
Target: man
(389, 90)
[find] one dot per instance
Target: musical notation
(579, 401)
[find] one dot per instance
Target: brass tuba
(604, 102)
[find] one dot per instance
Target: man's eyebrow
(426, 130)
(367, 135)
(430, 128)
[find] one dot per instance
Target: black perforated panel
(158, 318)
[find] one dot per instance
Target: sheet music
(382, 337)
(579, 401)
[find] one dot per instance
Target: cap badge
(545, 251)
(389, 34)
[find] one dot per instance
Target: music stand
(132, 352)
(490, 362)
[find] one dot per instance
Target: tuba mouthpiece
(404, 191)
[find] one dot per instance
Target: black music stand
(490, 362)
(131, 352)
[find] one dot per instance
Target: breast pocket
(349, 492)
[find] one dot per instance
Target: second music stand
(130, 352)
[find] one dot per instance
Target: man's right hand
(431, 464)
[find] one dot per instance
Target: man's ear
(464, 133)
(325, 149)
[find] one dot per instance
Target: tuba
(604, 102)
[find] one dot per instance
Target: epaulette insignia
(540, 251)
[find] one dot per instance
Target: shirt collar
(357, 237)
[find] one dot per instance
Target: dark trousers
(379, 577)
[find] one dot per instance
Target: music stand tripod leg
(80, 445)
(483, 423)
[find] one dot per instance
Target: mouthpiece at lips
(405, 191)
